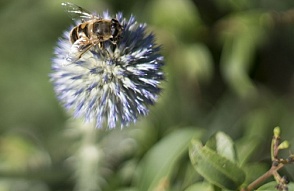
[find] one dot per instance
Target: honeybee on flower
(110, 76)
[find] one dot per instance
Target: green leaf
(239, 49)
(159, 162)
(270, 186)
(203, 186)
(184, 16)
(256, 125)
(197, 62)
(223, 145)
(215, 168)
(254, 170)
(127, 189)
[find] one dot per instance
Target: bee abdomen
(74, 35)
(78, 32)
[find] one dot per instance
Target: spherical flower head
(113, 85)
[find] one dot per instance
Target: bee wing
(76, 12)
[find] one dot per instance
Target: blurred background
(229, 67)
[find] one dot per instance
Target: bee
(93, 31)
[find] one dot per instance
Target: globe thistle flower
(112, 86)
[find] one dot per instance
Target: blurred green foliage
(229, 67)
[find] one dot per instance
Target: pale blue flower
(113, 88)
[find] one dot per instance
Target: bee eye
(113, 31)
(115, 26)
(98, 28)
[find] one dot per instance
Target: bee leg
(113, 47)
(114, 42)
(78, 48)
(101, 45)
(103, 50)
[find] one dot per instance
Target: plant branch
(264, 177)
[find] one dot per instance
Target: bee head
(116, 28)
